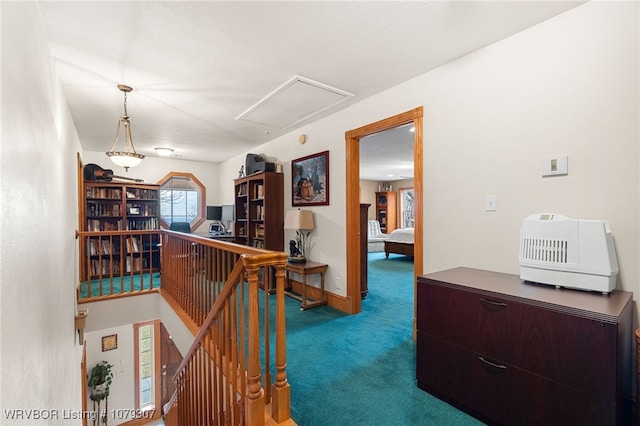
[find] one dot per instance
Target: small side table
(306, 269)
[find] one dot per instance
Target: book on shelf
(100, 247)
(104, 267)
(259, 193)
(103, 225)
(133, 264)
(147, 223)
(132, 245)
(104, 209)
(106, 193)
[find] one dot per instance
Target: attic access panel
(295, 101)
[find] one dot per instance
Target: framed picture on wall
(109, 342)
(310, 180)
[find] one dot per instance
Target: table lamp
(300, 220)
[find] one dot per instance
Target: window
(406, 207)
(146, 364)
(182, 199)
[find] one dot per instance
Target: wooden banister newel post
(281, 391)
(255, 395)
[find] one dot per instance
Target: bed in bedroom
(400, 241)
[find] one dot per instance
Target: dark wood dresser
(364, 250)
(515, 353)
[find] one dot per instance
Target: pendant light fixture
(128, 157)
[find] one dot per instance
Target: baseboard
(335, 301)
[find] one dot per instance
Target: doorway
(352, 137)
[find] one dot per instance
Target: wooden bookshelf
(115, 206)
(386, 207)
(259, 215)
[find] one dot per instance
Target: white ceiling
(387, 156)
(196, 66)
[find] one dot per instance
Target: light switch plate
(555, 166)
(490, 203)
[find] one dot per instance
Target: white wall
(368, 190)
(566, 86)
(39, 354)
(131, 310)
(118, 316)
(122, 390)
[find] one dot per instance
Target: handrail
(117, 263)
(221, 380)
(213, 314)
(218, 285)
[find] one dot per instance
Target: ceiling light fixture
(163, 151)
(128, 157)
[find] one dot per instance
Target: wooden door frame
(352, 138)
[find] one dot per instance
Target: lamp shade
(128, 157)
(299, 219)
(214, 212)
(227, 212)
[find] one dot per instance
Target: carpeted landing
(360, 369)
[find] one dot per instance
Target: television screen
(214, 213)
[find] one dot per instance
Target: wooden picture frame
(109, 342)
(310, 180)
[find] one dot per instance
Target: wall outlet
(338, 283)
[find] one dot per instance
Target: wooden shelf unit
(259, 210)
(117, 206)
(386, 207)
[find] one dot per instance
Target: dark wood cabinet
(514, 353)
(386, 206)
(259, 210)
(364, 250)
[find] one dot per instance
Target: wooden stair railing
(217, 285)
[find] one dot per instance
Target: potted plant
(100, 380)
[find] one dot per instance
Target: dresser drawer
(578, 352)
(480, 323)
(457, 376)
(533, 400)
(499, 393)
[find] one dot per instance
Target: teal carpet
(127, 284)
(360, 369)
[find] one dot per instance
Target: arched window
(182, 199)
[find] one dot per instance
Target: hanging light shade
(127, 157)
